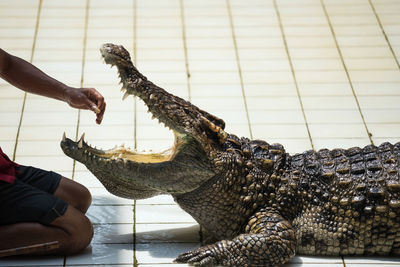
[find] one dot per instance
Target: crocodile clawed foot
(203, 256)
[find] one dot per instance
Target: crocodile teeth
(64, 137)
(125, 95)
(80, 144)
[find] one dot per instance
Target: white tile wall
(307, 74)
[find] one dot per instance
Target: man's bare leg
(74, 194)
(73, 231)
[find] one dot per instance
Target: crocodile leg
(269, 240)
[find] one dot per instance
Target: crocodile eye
(260, 150)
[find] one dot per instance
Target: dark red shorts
(30, 198)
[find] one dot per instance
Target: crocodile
(260, 204)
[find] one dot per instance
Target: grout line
(199, 26)
(135, 111)
(384, 33)
(343, 261)
(135, 261)
(185, 49)
(346, 71)
(19, 127)
(239, 67)
(82, 76)
(81, 85)
(188, 75)
(149, 223)
(278, 15)
(246, 46)
(25, 94)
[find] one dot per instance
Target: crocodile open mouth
(131, 174)
(118, 56)
(82, 149)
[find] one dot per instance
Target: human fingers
(95, 109)
(101, 113)
(101, 104)
(96, 97)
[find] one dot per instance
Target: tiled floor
(304, 73)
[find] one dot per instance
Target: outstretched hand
(86, 98)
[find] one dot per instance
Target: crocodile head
(198, 152)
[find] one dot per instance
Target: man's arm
(27, 77)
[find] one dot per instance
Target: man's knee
(75, 194)
(81, 238)
(85, 199)
(79, 230)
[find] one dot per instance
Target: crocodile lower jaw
(121, 153)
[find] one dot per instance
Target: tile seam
(384, 33)
(232, 27)
(81, 82)
(346, 71)
(289, 58)
(185, 48)
(135, 139)
(87, 5)
(188, 73)
(25, 94)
